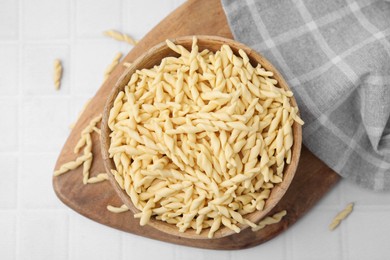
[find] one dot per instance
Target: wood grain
(313, 179)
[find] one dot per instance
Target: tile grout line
(288, 245)
(67, 253)
(288, 248)
(9, 42)
(39, 96)
(13, 153)
(72, 31)
(341, 235)
(20, 123)
(121, 21)
(40, 42)
(44, 42)
(122, 251)
(72, 40)
(29, 152)
(344, 242)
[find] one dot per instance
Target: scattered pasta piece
(276, 218)
(112, 66)
(127, 64)
(57, 73)
(86, 158)
(99, 178)
(341, 216)
(120, 209)
(120, 37)
(87, 163)
(86, 132)
(72, 164)
(97, 130)
(200, 140)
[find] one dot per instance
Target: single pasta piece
(112, 66)
(127, 64)
(120, 36)
(276, 218)
(99, 178)
(120, 209)
(57, 73)
(341, 216)
(199, 140)
(72, 164)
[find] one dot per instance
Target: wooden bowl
(154, 57)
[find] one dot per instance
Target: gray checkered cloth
(335, 55)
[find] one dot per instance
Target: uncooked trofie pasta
(120, 209)
(72, 164)
(98, 178)
(127, 64)
(86, 158)
(57, 73)
(276, 218)
(341, 216)
(200, 140)
(120, 36)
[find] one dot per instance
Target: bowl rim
(289, 170)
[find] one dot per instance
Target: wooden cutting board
(312, 180)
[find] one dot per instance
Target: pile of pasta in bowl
(200, 139)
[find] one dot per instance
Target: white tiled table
(34, 224)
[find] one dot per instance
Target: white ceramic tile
(46, 19)
(45, 124)
(367, 235)
(38, 69)
(9, 124)
(90, 240)
(310, 234)
(8, 63)
(89, 64)
(37, 169)
(9, 15)
(8, 234)
(361, 196)
(93, 17)
(332, 197)
(43, 234)
(182, 252)
(76, 106)
(125, 48)
(135, 247)
(177, 3)
(8, 183)
(141, 16)
(274, 248)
